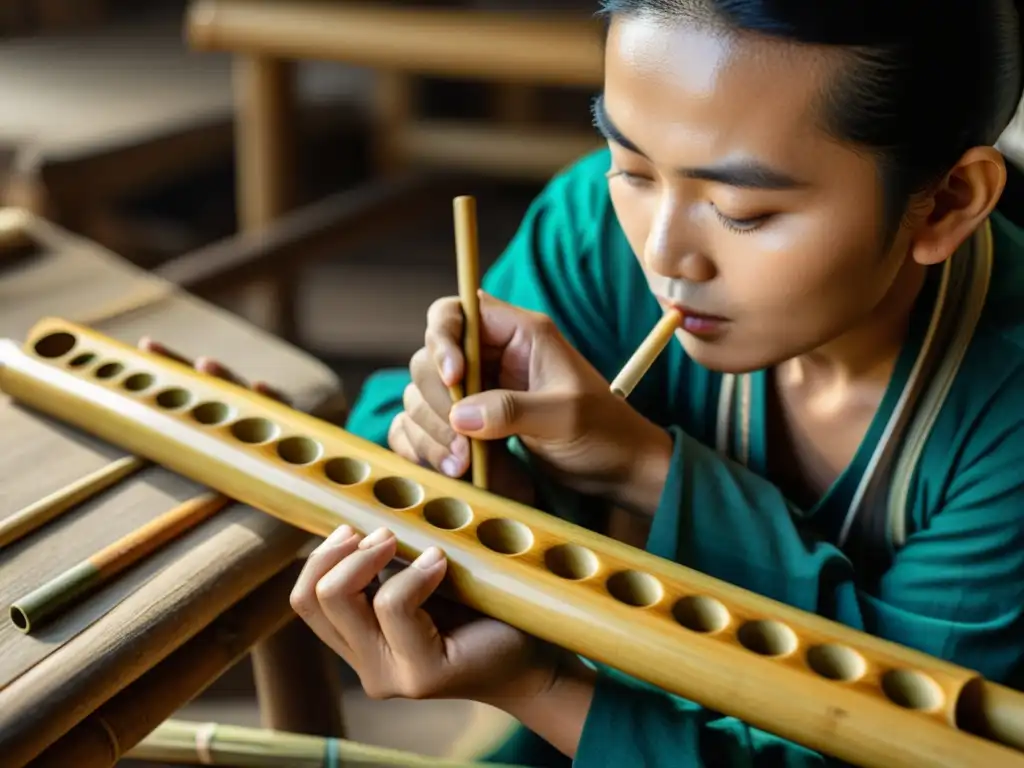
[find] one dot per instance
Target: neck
(868, 351)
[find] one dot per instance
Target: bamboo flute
(467, 251)
(192, 743)
(805, 678)
(31, 611)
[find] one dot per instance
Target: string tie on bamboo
(205, 734)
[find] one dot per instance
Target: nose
(672, 248)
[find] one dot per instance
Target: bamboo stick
(192, 743)
(42, 604)
(467, 251)
(39, 513)
(646, 354)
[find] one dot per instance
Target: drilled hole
(299, 450)
(55, 345)
(506, 537)
(912, 690)
(173, 398)
(254, 430)
(82, 360)
(571, 561)
(346, 471)
(767, 638)
(836, 662)
(108, 370)
(211, 413)
(701, 613)
(448, 514)
(137, 382)
(398, 492)
(634, 588)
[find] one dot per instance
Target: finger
(339, 545)
(500, 413)
(340, 593)
(440, 457)
(399, 441)
(428, 418)
(148, 345)
(409, 630)
(443, 339)
(213, 368)
(272, 392)
(438, 396)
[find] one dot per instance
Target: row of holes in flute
(907, 688)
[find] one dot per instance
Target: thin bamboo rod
(192, 743)
(60, 593)
(467, 249)
(807, 679)
(646, 354)
(29, 519)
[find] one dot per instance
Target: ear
(958, 205)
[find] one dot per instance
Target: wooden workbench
(73, 671)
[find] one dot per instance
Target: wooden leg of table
(298, 683)
(266, 114)
(394, 106)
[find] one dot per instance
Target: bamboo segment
(646, 354)
(44, 602)
(468, 257)
(182, 742)
(800, 676)
(39, 513)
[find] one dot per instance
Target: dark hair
(928, 79)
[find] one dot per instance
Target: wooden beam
(553, 48)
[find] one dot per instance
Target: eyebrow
(748, 174)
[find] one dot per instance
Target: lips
(688, 312)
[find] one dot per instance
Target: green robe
(929, 553)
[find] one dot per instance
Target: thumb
(500, 413)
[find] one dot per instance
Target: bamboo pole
(42, 604)
(191, 743)
(642, 360)
(467, 251)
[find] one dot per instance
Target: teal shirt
(952, 531)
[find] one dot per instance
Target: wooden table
(96, 681)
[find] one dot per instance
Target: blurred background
(294, 163)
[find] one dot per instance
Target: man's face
(726, 185)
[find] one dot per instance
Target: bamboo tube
(800, 676)
(40, 605)
(39, 513)
(467, 250)
(189, 743)
(646, 354)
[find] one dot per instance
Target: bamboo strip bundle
(190, 743)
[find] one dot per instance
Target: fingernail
(450, 466)
(428, 559)
(338, 535)
(376, 538)
(448, 368)
(467, 417)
